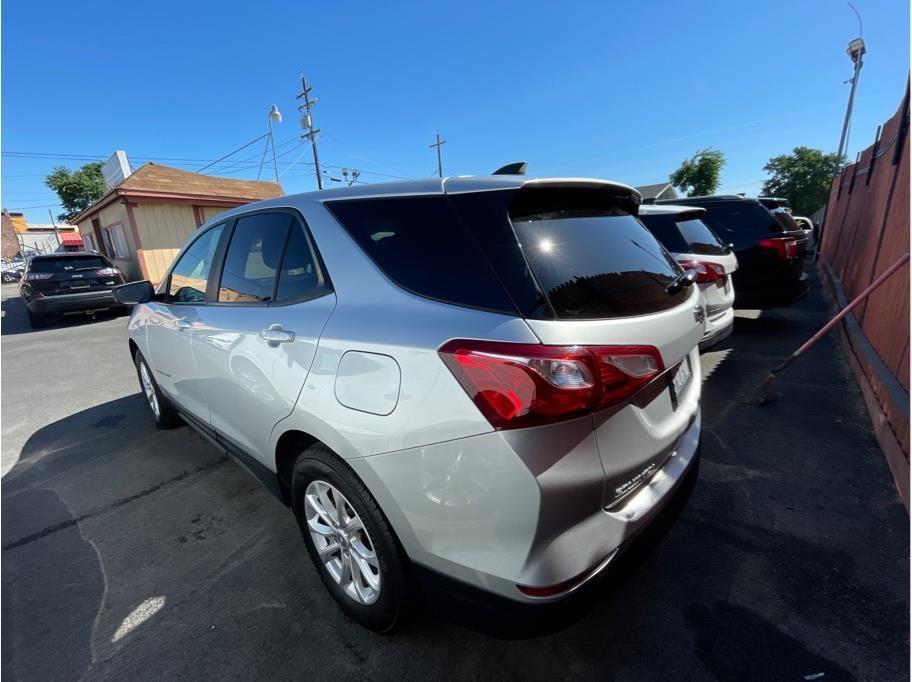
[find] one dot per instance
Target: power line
(235, 152)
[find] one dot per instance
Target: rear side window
(253, 258)
(63, 265)
(300, 275)
(420, 244)
(597, 263)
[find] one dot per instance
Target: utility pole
(307, 124)
(54, 223)
(856, 51)
(439, 160)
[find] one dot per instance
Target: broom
(763, 389)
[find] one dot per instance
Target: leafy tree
(699, 174)
(803, 177)
(77, 189)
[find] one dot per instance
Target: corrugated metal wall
(865, 231)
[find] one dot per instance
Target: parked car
(696, 247)
(68, 283)
(769, 246)
(493, 381)
(12, 270)
(806, 225)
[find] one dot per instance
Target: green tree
(803, 177)
(77, 189)
(699, 175)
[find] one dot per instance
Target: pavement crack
(50, 530)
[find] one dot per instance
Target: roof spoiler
(518, 168)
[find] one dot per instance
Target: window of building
(116, 241)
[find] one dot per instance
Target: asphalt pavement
(132, 553)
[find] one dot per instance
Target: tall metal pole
(307, 123)
(844, 138)
(439, 160)
(54, 223)
(275, 164)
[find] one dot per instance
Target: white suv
(493, 379)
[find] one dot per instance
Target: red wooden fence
(866, 230)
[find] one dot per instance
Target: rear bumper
(65, 303)
(493, 513)
(718, 329)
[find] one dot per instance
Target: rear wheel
(163, 412)
(350, 541)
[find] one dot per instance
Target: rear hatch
(602, 281)
(769, 245)
(60, 275)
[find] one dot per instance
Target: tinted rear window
(685, 236)
(57, 265)
(420, 244)
(741, 223)
(597, 263)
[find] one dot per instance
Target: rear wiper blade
(685, 279)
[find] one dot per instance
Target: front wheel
(163, 412)
(350, 541)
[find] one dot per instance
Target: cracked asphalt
(133, 553)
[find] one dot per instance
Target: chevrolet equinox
(491, 379)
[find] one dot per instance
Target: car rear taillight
(107, 271)
(786, 248)
(706, 271)
(34, 276)
(516, 385)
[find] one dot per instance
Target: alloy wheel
(342, 542)
(148, 388)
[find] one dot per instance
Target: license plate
(679, 381)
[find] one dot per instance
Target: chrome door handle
(183, 324)
(276, 335)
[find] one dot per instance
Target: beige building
(144, 221)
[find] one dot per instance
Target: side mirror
(134, 292)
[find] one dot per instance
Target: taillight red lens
(517, 385)
(107, 271)
(786, 248)
(706, 271)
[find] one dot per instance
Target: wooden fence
(866, 230)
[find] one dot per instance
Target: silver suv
(492, 379)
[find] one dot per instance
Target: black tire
(393, 603)
(36, 321)
(166, 417)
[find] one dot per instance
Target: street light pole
(856, 51)
(274, 115)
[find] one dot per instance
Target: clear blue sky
(575, 88)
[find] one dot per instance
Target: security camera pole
(307, 124)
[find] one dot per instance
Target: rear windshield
(785, 219)
(685, 236)
(57, 265)
(597, 263)
(741, 223)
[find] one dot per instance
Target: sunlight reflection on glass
(546, 245)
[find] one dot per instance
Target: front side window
(189, 276)
(253, 258)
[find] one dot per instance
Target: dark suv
(769, 244)
(70, 282)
